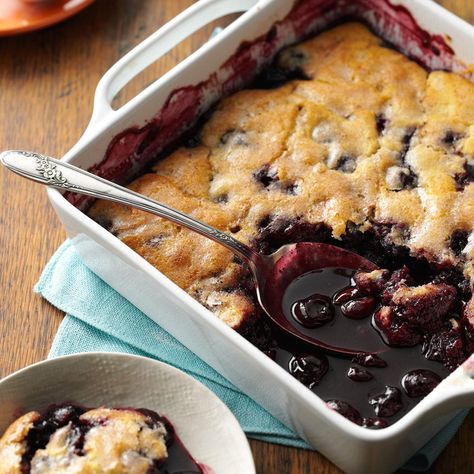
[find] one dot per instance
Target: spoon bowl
(289, 263)
(272, 274)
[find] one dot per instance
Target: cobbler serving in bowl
(342, 140)
(69, 438)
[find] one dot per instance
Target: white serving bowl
(206, 426)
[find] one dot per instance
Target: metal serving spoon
(272, 273)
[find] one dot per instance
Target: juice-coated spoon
(272, 273)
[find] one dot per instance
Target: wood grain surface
(47, 82)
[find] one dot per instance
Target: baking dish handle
(456, 391)
(157, 45)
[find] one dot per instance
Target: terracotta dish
(17, 16)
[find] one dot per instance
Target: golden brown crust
(13, 443)
(370, 138)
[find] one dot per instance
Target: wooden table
(47, 81)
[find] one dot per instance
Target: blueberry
(388, 402)
(345, 410)
(309, 368)
(369, 360)
(359, 375)
(458, 241)
(313, 312)
(381, 123)
(266, 176)
(359, 308)
(374, 423)
(418, 383)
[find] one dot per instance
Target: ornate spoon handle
(46, 170)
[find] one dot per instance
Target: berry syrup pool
(373, 389)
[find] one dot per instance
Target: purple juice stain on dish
(180, 460)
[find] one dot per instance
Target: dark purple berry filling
(179, 460)
(369, 360)
(222, 199)
(374, 423)
(387, 403)
(359, 375)
(418, 383)
(451, 138)
(458, 241)
(314, 311)
(359, 308)
(309, 369)
(345, 410)
(266, 176)
(381, 123)
(466, 177)
(409, 180)
(291, 188)
(287, 66)
(51, 420)
(406, 143)
(346, 164)
(407, 308)
(448, 347)
(346, 295)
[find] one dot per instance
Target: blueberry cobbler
(342, 140)
(72, 439)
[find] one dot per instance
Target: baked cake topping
(355, 143)
(345, 141)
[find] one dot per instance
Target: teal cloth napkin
(100, 319)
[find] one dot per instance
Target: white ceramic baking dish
(209, 70)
